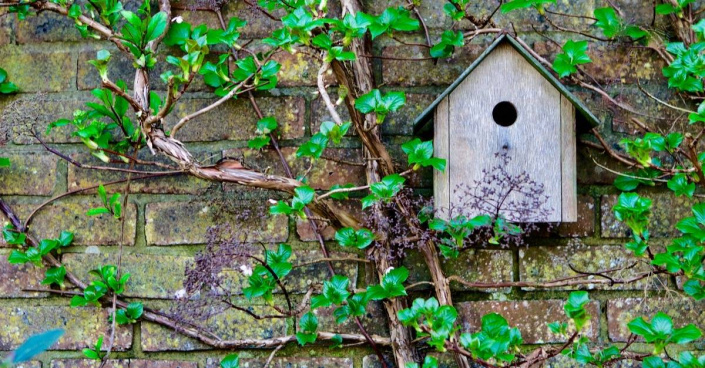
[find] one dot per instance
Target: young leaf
(572, 56)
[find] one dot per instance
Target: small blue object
(35, 345)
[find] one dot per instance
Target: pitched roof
(422, 123)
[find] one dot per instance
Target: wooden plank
(532, 142)
(568, 162)
(441, 189)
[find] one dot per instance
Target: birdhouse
(506, 101)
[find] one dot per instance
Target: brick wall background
(167, 218)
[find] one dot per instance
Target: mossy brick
(472, 266)
(666, 211)
(545, 263)
(16, 278)
(613, 62)
(289, 362)
(301, 278)
(236, 119)
(7, 25)
(39, 111)
(151, 276)
(47, 27)
(258, 24)
(336, 165)
(425, 72)
(82, 326)
(175, 184)
(585, 224)
(173, 223)
(648, 110)
(228, 325)
(621, 311)
(306, 233)
(529, 316)
(31, 173)
(30, 364)
(122, 363)
(70, 215)
(396, 123)
(39, 69)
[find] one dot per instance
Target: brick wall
(167, 218)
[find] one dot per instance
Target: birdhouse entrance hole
(504, 114)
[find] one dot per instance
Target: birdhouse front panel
(506, 105)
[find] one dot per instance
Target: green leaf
(65, 238)
(156, 26)
(523, 4)
(381, 105)
(573, 55)
(308, 326)
(5, 162)
(230, 361)
(680, 186)
(608, 21)
(314, 147)
(135, 310)
(54, 275)
(97, 211)
(685, 335)
(349, 237)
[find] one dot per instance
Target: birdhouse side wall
(568, 163)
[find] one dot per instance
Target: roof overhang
(423, 124)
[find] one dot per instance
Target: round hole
(504, 114)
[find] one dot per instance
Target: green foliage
(681, 186)
(302, 196)
(687, 69)
(640, 177)
(574, 54)
(356, 306)
(420, 155)
(581, 353)
(381, 105)
(5, 162)
(314, 147)
(455, 9)
(684, 255)
(107, 280)
(33, 346)
(111, 205)
(392, 285)
(495, 340)
(54, 275)
(523, 4)
(335, 292)
(341, 195)
(349, 237)
(455, 231)
(612, 25)
(660, 331)
(335, 132)
(670, 8)
(265, 127)
(393, 19)
(95, 352)
(264, 277)
(384, 190)
(35, 254)
(428, 362)
(230, 361)
(634, 211)
(6, 87)
(307, 333)
(575, 308)
(130, 314)
(137, 33)
(449, 41)
(430, 320)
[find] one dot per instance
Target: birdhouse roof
(423, 125)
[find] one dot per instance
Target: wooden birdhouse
(507, 101)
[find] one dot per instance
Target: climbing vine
(126, 120)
